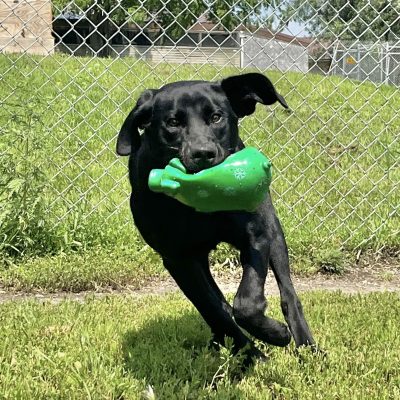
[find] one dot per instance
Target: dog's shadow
(170, 352)
(165, 348)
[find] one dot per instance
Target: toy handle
(158, 184)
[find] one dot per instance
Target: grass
(94, 269)
(120, 348)
(63, 189)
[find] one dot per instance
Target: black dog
(197, 122)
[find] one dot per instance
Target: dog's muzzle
(201, 156)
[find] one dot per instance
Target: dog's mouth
(194, 166)
(194, 169)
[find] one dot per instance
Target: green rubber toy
(240, 183)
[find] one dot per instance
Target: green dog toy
(240, 183)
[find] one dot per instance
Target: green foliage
(330, 260)
(24, 226)
(332, 180)
(89, 270)
(156, 347)
(356, 19)
(172, 17)
(37, 216)
(118, 11)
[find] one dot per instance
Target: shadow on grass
(169, 347)
(172, 354)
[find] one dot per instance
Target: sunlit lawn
(115, 348)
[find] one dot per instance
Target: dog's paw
(251, 356)
(308, 353)
(318, 351)
(267, 329)
(277, 333)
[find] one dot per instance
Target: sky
(296, 29)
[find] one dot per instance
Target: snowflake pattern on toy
(203, 193)
(239, 174)
(229, 191)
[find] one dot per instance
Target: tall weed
(24, 222)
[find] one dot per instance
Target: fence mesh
(71, 71)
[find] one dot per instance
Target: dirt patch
(369, 274)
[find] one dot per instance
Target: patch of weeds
(331, 261)
(96, 268)
(387, 276)
(225, 255)
(25, 227)
(302, 265)
(225, 260)
(230, 367)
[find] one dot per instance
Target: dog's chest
(168, 226)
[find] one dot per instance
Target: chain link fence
(377, 62)
(71, 71)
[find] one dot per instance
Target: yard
(334, 159)
(65, 226)
(156, 348)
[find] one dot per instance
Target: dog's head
(195, 121)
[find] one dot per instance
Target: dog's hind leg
(250, 303)
(290, 303)
(191, 277)
(279, 262)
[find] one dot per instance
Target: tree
(173, 17)
(347, 19)
(102, 14)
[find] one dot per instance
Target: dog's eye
(172, 122)
(215, 118)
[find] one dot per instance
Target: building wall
(272, 54)
(169, 54)
(26, 27)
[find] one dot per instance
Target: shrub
(24, 223)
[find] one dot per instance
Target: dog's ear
(244, 91)
(128, 137)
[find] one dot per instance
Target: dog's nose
(204, 155)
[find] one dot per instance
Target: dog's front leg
(250, 303)
(192, 278)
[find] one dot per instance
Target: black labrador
(197, 121)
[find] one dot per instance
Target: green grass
(94, 269)
(63, 189)
(116, 347)
(135, 265)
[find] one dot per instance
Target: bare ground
(370, 274)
